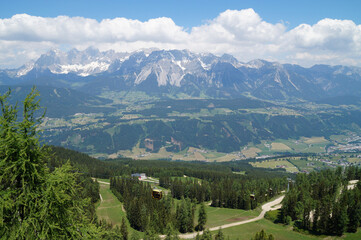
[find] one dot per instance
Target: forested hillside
(325, 202)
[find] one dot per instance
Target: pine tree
(150, 235)
(354, 211)
(36, 204)
(61, 210)
(124, 229)
(190, 209)
(262, 235)
(135, 236)
(339, 219)
(207, 235)
(170, 233)
(315, 217)
(22, 167)
(308, 206)
(183, 216)
(219, 235)
(202, 218)
(198, 237)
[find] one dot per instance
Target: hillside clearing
(110, 209)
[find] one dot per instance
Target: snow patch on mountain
(82, 70)
(25, 69)
(257, 64)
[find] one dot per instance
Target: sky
(299, 32)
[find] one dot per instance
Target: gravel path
(103, 182)
(275, 204)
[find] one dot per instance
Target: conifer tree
(202, 218)
(339, 219)
(22, 166)
(182, 217)
(150, 235)
(207, 235)
(170, 233)
(262, 235)
(354, 210)
(135, 236)
(219, 235)
(36, 204)
(124, 229)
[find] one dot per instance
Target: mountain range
(170, 72)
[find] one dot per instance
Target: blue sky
(300, 32)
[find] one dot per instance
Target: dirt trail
(103, 182)
(275, 204)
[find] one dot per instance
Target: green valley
(142, 127)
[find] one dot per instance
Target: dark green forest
(321, 203)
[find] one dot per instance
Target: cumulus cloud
(242, 33)
(239, 26)
(63, 29)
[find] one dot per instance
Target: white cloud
(241, 33)
(63, 29)
(16, 53)
(240, 26)
(328, 34)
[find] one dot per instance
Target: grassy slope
(279, 231)
(110, 209)
(219, 216)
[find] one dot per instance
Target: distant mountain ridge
(181, 71)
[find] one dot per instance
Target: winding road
(273, 205)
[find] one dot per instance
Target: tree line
(241, 192)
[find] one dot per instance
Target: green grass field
(302, 164)
(219, 216)
(110, 209)
(276, 164)
(185, 179)
(279, 231)
(280, 147)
